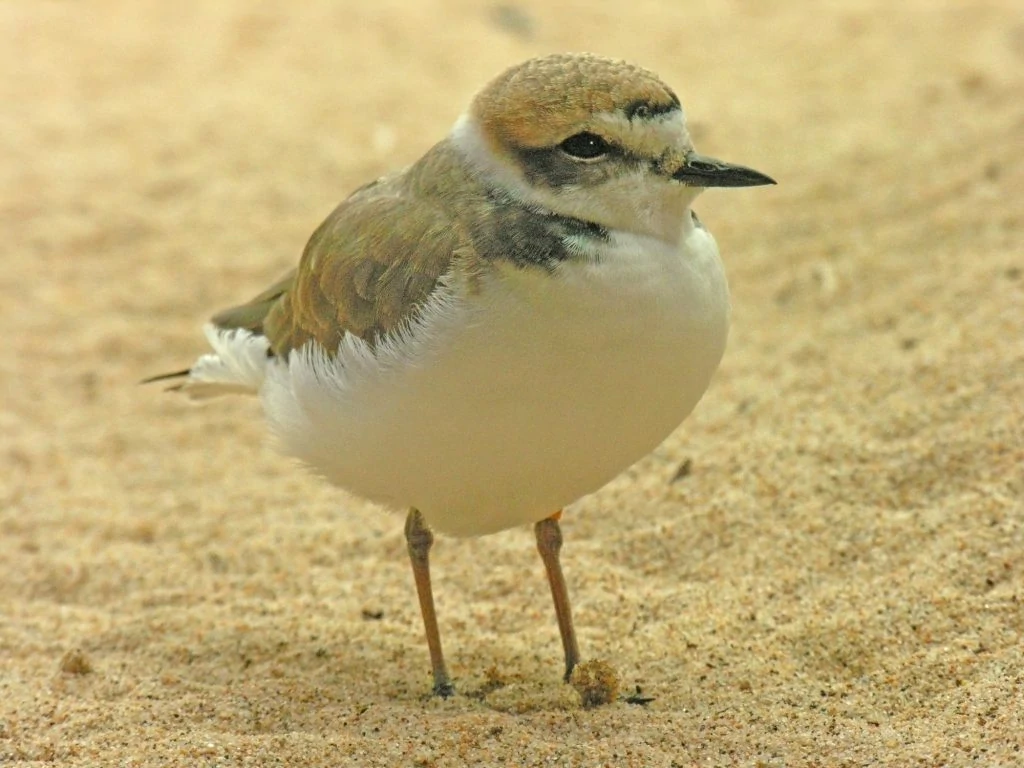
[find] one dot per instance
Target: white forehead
(650, 136)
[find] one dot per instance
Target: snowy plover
(505, 325)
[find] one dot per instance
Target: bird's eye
(585, 146)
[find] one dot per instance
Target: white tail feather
(237, 364)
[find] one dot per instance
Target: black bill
(702, 171)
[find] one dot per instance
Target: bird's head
(592, 138)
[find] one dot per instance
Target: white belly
(499, 409)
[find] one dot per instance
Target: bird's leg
(549, 542)
(419, 540)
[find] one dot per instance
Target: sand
(837, 580)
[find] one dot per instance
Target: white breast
(498, 409)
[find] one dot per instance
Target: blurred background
(835, 576)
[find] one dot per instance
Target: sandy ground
(838, 581)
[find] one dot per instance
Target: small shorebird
(505, 325)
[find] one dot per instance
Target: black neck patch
(531, 238)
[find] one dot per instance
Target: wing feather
(370, 265)
(365, 271)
